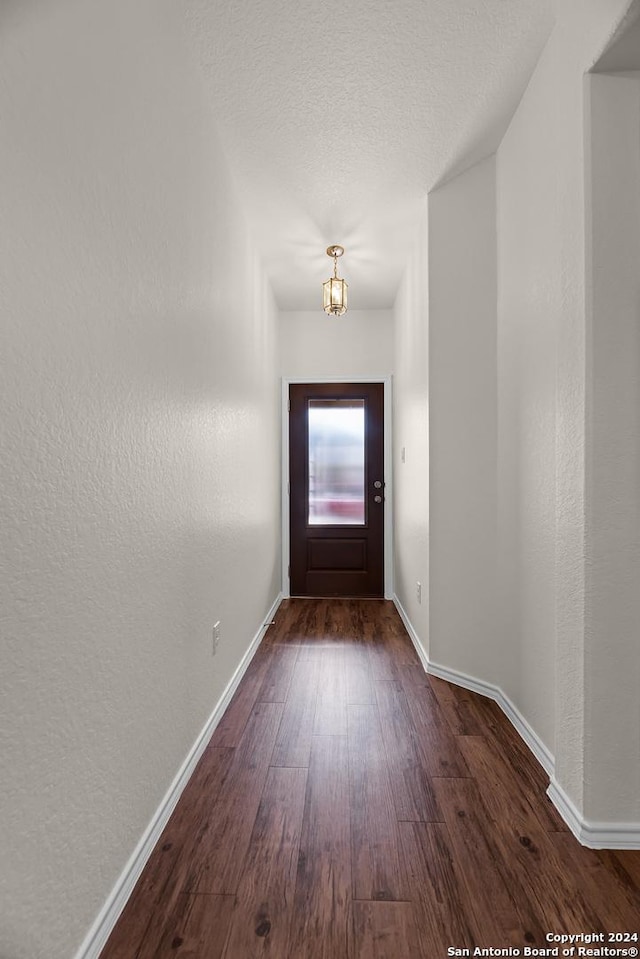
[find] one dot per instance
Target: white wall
(612, 660)
(462, 426)
(543, 459)
(139, 391)
(530, 236)
(314, 345)
(411, 434)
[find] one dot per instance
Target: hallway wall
(464, 633)
(140, 429)
(530, 313)
(411, 437)
(445, 410)
(313, 345)
(612, 661)
(545, 450)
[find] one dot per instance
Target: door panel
(336, 457)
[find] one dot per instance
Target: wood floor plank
(501, 777)
(350, 621)
(401, 647)
(390, 624)
(389, 646)
(498, 910)
(615, 894)
(440, 900)
(507, 741)
(440, 752)
(278, 676)
(293, 743)
(457, 705)
(629, 861)
(411, 787)
(232, 725)
(323, 880)
(413, 675)
(297, 623)
(284, 619)
(262, 917)
(520, 835)
(331, 704)
(216, 862)
(358, 614)
(359, 684)
(198, 926)
(376, 862)
(158, 890)
(385, 930)
(382, 662)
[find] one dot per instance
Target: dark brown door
(336, 457)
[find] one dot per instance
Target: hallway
(349, 805)
(172, 175)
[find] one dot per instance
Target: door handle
(377, 499)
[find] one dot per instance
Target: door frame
(387, 381)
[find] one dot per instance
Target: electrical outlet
(419, 592)
(216, 638)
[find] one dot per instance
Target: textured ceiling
(338, 119)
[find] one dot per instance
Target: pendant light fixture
(334, 289)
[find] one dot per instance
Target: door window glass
(336, 462)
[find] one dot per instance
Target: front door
(336, 459)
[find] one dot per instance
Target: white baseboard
(415, 639)
(533, 741)
(595, 835)
(101, 929)
(513, 714)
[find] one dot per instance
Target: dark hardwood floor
(349, 806)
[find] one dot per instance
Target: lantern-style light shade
(334, 290)
(335, 296)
